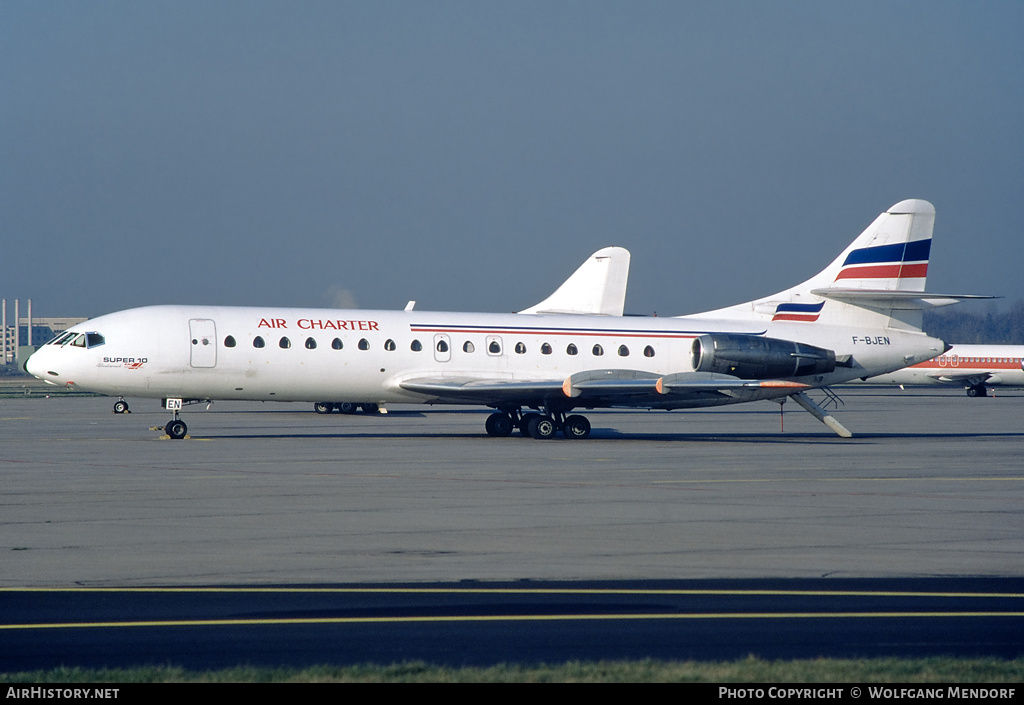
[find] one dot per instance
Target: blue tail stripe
(799, 308)
(916, 251)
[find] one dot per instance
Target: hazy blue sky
(470, 155)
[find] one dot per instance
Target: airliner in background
(859, 317)
(974, 367)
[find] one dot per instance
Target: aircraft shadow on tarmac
(359, 427)
(611, 434)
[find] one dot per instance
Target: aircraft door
(442, 347)
(203, 343)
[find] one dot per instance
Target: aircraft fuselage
(253, 353)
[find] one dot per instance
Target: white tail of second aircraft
(597, 288)
(879, 280)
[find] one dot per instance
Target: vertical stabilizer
(878, 280)
(891, 255)
(597, 288)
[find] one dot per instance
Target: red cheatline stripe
(601, 334)
(885, 271)
(794, 317)
(911, 271)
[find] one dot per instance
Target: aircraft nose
(35, 367)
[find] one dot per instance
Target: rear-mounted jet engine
(756, 357)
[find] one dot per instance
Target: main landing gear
(541, 426)
(977, 390)
(345, 407)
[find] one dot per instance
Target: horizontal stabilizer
(896, 300)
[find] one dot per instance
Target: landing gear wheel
(121, 407)
(370, 408)
(524, 422)
(176, 429)
(576, 426)
(499, 425)
(323, 407)
(345, 407)
(978, 390)
(542, 427)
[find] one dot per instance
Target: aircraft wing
(691, 381)
(969, 379)
(614, 387)
(469, 390)
(625, 382)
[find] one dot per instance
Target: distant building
(42, 331)
(45, 329)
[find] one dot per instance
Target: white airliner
(975, 367)
(859, 317)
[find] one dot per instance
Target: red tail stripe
(885, 271)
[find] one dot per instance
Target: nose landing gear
(175, 428)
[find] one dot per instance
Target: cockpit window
(79, 341)
(93, 340)
(63, 338)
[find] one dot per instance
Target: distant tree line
(957, 325)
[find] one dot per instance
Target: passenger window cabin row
(493, 346)
(943, 359)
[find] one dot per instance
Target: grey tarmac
(267, 494)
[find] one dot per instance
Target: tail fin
(879, 280)
(597, 288)
(891, 255)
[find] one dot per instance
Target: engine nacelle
(755, 357)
